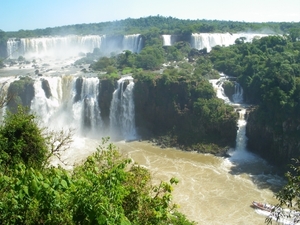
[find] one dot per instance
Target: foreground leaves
(105, 189)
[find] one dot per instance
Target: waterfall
(52, 46)
(209, 40)
(72, 45)
(239, 155)
(122, 114)
(167, 40)
(132, 43)
(70, 102)
(217, 85)
(237, 97)
(59, 105)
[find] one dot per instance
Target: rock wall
(168, 109)
(278, 145)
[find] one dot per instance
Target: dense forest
(163, 25)
(268, 70)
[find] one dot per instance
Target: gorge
(206, 182)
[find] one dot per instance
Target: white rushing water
(71, 45)
(66, 106)
(209, 40)
(122, 112)
(167, 40)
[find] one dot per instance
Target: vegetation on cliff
(288, 197)
(269, 72)
(185, 107)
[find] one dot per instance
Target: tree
(150, 58)
(105, 189)
(21, 140)
(288, 196)
(103, 63)
(294, 34)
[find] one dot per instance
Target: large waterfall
(209, 40)
(70, 102)
(72, 45)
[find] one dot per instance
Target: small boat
(263, 206)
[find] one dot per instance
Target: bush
(105, 189)
(21, 140)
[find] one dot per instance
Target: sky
(39, 14)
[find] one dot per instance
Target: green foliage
(3, 44)
(1, 63)
(103, 64)
(169, 103)
(288, 196)
(126, 60)
(21, 140)
(156, 24)
(105, 189)
(204, 68)
(30, 196)
(267, 70)
(178, 51)
(228, 87)
(150, 58)
(127, 70)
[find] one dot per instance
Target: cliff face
(186, 111)
(104, 99)
(20, 92)
(277, 145)
(169, 109)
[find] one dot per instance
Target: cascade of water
(52, 46)
(122, 114)
(239, 154)
(132, 43)
(55, 104)
(217, 85)
(209, 40)
(237, 97)
(91, 111)
(68, 46)
(167, 40)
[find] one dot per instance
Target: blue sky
(33, 14)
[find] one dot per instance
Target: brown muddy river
(211, 190)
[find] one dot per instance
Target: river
(211, 190)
